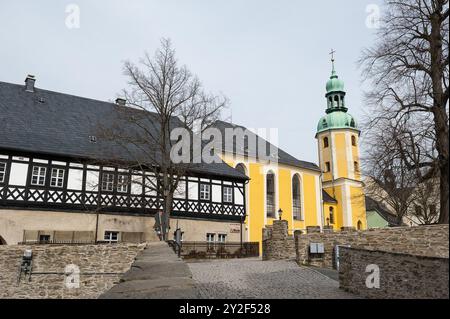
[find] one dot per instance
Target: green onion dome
(336, 120)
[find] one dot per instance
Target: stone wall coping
(393, 253)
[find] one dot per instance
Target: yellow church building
(305, 194)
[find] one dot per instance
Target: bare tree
(161, 96)
(389, 180)
(409, 72)
(425, 197)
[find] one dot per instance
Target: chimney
(29, 83)
(121, 102)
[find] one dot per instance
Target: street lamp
(280, 213)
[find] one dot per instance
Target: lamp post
(280, 213)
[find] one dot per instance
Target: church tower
(338, 142)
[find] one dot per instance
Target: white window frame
(210, 236)
(222, 238)
(2, 171)
(227, 196)
(205, 191)
(107, 183)
(122, 183)
(108, 236)
(40, 176)
(58, 180)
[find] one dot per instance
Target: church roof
(283, 157)
(327, 198)
(57, 124)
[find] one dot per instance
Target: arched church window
(359, 225)
(331, 215)
(270, 195)
(325, 142)
(296, 198)
(353, 140)
(356, 166)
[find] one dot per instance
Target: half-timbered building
(57, 182)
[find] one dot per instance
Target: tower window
(327, 167)
(325, 142)
(331, 215)
(336, 100)
(353, 140)
(359, 225)
(356, 166)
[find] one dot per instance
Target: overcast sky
(271, 58)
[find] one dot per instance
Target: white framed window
(205, 191)
(57, 178)
(210, 237)
(122, 183)
(2, 171)
(227, 194)
(38, 175)
(107, 182)
(111, 236)
(222, 238)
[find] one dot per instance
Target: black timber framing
(50, 198)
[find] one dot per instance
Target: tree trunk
(439, 111)
(168, 201)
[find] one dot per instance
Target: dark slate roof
(58, 124)
(373, 205)
(327, 198)
(283, 157)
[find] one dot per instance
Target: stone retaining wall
(432, 241)
(100, 267)
(401, 276)
(277, 243)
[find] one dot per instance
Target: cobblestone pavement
(254, 278)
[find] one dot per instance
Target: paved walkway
(253, 278)
(157, 273)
